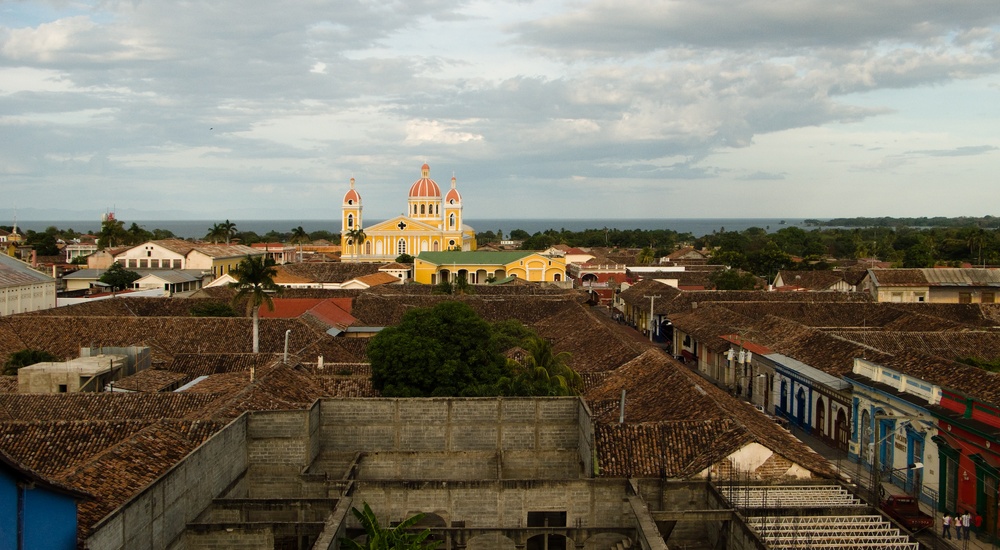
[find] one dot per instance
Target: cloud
(966, 151)
(541, 98)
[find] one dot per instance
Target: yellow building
(484, 267)
(432, 223)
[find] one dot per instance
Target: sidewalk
(860, 475)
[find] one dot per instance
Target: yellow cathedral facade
(432, 223)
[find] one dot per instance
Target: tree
(545, 372)
(26, 357)
(734, 279)
(112, 233)
(441, 351)
(255, 283)
(646, 256)
(404, 259)
(356, 237)
(212, 309)
(228, 230)
(299, 236)
(118, 278)
(388, 538)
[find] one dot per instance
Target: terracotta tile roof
(116, 475)
(100, 406)
(283, 277)
(151, 380)
(817, 280)
(595, 343)
(685, 423)
(953, 345)
(328, 272)
(376, 279)
(8, 384)
(395, 266)
(166, 336)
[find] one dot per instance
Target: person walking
(966, 522)
(956, 522)
(946, 526)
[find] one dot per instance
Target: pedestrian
(966, 522)
(946, 526)
(978, 522)
(956, 522)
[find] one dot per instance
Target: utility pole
(651, 298)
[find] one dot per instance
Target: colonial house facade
(485, 267)
(935, 285)
(23, 289)
(432, 223)
(218, 259)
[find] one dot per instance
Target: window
(988, 297)
(401, 247)
(350, 201)
(421, 209)
(451, 221)
(920, 296)
(350, 220)
(965, 297)
(63, 388)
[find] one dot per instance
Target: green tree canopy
(118, 278)
(26, 357)
(441, 351)
(734, 279)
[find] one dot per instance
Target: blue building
(35, 512)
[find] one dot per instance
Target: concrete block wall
(458, 438)
(237, 539)
(158, 515)
(505, 504)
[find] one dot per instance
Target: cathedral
(432, 223)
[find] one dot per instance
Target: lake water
(187, 229)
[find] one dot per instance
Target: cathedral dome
(425, 187)
(352, 196)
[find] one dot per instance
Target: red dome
(425, 187)
(453, 197)
(352, 196)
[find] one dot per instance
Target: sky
(540, 109)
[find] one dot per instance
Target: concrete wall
(469, 439)
(505, 504)
(159, 514)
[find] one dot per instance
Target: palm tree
(228, 230)
(646, 256)
(976, 238)
(550, 370)
(357, 237)
(215, 233)
(255, 282)
(299, 236)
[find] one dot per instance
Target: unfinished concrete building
(487, 473)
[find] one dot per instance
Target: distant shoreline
(194, 229)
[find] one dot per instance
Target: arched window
(368, 247)
(421, 210)
(401, 247)
(350, 220)
(414, 210)
(451, 220)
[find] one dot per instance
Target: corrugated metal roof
(14, 272)
(809, 372)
